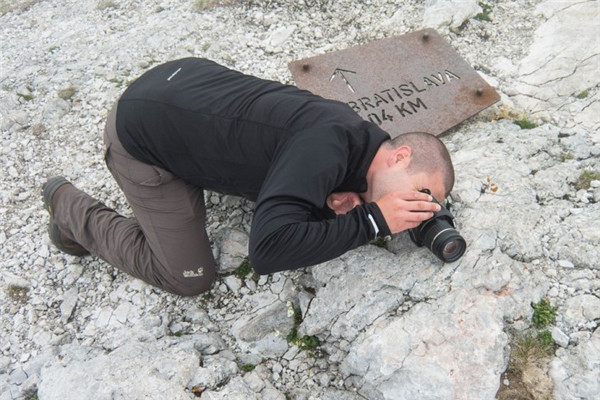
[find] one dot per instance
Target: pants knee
(192, 287)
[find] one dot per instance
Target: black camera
(439, 234)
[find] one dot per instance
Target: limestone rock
(151, 370)
(389, 321)
(451, 13)
(581, 310)
(236, 389)
(357, 289)
(68, 304)
(575, 371)
(448, 349)
(233, 245)
(214, 372)
(560, 65)
(263, 332)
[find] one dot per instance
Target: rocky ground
(377, 323)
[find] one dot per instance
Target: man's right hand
(406, 210)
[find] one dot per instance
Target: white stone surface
(390, 321)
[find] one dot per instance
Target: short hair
(429, 155)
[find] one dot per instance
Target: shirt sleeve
(284, 233)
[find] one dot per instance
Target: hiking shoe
(56, 236)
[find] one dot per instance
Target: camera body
(439, 235)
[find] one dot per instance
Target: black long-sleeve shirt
(275, 144)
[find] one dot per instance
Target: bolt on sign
(409, 83)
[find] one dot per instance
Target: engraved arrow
(340, 72)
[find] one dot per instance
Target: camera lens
(450, 248)
(444, 241)
(439, 235)
(453, 249)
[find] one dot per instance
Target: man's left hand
(343, 202)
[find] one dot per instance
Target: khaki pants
(165, 244)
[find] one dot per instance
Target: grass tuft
(585, 179)
(530, 347)
(525, 123)
(565, 156)
(484, 15)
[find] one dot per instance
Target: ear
(401, 155)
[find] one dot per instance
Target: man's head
(411, 161)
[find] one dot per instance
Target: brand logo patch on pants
(193, 274)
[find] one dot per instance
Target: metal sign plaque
(409, 83)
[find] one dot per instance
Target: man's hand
(343, 202)
(406, 210)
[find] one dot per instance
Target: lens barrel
(443, 240)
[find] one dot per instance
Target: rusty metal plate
(413, 82)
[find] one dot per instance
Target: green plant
(25, 96)
(67, 93)
(18, 293)
(585, 179)
(583, 94)
(292, 337)
(545, 339)
(308, 342)
(244, 269)
(566, 156)
(297, 316)
(525, 123)
(53, 49)
(248, 367)
(484, 15)
(544, 314)
(380, 242)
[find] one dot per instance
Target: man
(324, 181)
